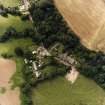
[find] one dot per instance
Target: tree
(19, 52)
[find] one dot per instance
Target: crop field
(60, 92)
(87, 20)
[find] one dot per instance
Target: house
(35, 70)
(66, 59)
(34, 52)
(34, 66)
(26, 61)
(42, 52)
(24, 7)
(2, 11)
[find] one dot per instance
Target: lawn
(13, 21)
(61, 92)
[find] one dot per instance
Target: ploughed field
(9, 96)
(87, 20)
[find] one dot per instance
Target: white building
(35, 71)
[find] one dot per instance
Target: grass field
(61, 92)
(13, 21)
(10, 3)
(8, 49)
(9, 46)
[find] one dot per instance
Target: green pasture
(60, 92)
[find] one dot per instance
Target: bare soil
(7, 69)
